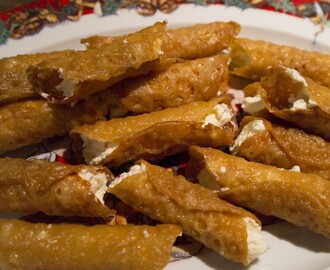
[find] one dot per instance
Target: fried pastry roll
(157, 134)
(14, 83)
(296, 99)
(72, 77)
(229, 230)
(251, 59)
(189, 42)
(31, 121)
(299, 198)
(30, 186)
(200, 79)
(262, 141)
(34, 246)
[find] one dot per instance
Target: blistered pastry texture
(30, 186)
(72, 77)
(14, 83)
(303, 103)
(31, 121)
(300, 198)
(199, 79)
(162, 196)
(153, 135)
(72, 246)
(287, 147)
(189, 42)
(251, 59)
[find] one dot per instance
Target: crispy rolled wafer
(297, 99)
(189, 42)
(299, 198)
(14, 83)
(282, 147)
(251, 59)
(200, 79)
(75, 76)
(157, 134)
(30, 186)
(229, 230)
(32, 121)
(34, 246)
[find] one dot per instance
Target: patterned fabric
(31, 18)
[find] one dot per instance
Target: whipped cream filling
(98, 182)
(249, 130)
(221, 115)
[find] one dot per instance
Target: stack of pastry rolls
(278, 164)
(145, 95)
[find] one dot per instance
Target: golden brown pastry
(75, 76)
(252, 58)
(296, 99)
(14, 83)
(35, 246)
(33, 120)
(299, 198)
(229, 230)
(261, 141)
(30, 186)
(200, 79)
(157, 134)
(188, 42)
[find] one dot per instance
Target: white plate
(291, 248)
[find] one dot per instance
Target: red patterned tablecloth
(31, 18)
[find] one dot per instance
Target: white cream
(252, 105)
(302, 101)
(66, 86)
(221, 115)
(249, 130)
(135, 169)
(299, 104)
(295, 168)
(295, 76)
(98, 182)
(255, 241)
(94, 152)
(44, 95)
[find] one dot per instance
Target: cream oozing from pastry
(94, 152)
(98, 181)
(221, 115)
(252, 105)
(249, 130)
(295, 168)
(295, 76)
(302, 100)
(66, 86)
(255, 241)
(135, 169)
